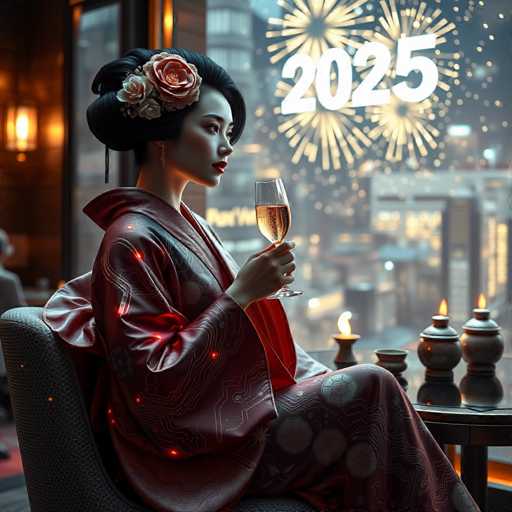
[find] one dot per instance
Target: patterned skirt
(350, 441)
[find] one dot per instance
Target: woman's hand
(263, 273)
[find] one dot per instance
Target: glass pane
(400, 183)
(96, 43)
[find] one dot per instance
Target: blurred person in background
(11, 291)
(11, 296)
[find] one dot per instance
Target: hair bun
(104, 115)
(111, 75)
(108, 124)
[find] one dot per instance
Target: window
(97, 42)
(403, 178)
(231, 59)
(400, 189)
(225, 21)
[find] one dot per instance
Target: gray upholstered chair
(64, 469)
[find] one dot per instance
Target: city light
(490, 154)
(459, 130)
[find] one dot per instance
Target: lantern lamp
(21, 128)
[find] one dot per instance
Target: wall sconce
(21, 129)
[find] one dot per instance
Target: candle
(439, 348)
(442, 318)
(481, 312)
(482, 342)
(345, 328)
(345, 340)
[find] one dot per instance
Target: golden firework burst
(333, 134)
(418, 20)
(312, 26)
(406, 127)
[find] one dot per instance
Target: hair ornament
(165, 83)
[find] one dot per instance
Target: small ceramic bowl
(392, 359)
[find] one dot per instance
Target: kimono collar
(187, 227)
(105, 208)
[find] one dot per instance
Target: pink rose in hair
(176, 80)
(135, 89)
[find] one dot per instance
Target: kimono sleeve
(183, 370)
(307, 366)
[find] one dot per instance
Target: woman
(204, 393)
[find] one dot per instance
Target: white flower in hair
(135, 89)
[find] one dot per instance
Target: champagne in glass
(273, 221)
(273, 217)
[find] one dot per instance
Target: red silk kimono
(187, 388)
(205, 402)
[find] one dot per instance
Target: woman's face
(204, 140)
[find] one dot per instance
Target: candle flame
(344, 324)
(443, 307)
(482, 303)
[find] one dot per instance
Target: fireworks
(328, 134)
(311, 27)
(419, 20)
(403, 130)
(406, 128)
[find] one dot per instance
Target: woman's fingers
(286, 258)
(288, 268)
(268, 249)
(283, 248)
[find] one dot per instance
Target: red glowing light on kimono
(172, 452)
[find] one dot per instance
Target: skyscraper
(230, 207)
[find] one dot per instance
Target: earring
(163, 156)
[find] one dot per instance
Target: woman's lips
(219, 167)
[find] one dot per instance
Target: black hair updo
(108, 124)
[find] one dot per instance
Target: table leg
(450, 452)
(474, 473)
(448, 449)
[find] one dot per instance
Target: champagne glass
(274, 217)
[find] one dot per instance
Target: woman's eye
(213, 128)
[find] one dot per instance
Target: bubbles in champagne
(273, 221)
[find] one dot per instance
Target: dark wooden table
(483, 418)
(474, 413)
